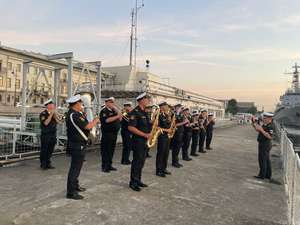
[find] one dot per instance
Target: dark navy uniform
(264, 148)
(164, 121)
(140, 120)
(209, 133)
(77, 147)
(177, 140)
(202, 133)
(109, 137)
(126, 137)
(187, 135)
(48, 139)
(195, 138)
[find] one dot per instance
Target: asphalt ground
(214, 188)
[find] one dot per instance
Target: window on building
(28, 69)
(42, 88)
(65, 76)
(50, 74)
(9, 66)
(65, 89)
(62, 88)
(19, 67)
(42, 100)
(34, 88)
(8, 84)
(0, 98)
(8, 98)
(1, 81)
(0, 64)
(35, 71)
(27, 85)
(49, 87)
(17, 98)
(34, 100)
(18, 84)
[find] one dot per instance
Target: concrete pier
(214, 188)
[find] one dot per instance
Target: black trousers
(186, 143)
(126, 145)
(140, 150)
(177, 143)
(264, 159)
(208, 138)
(78, 150)
(201, 139)
(108, 145)
(162, 152)
(68, 151)
(195, 139)
(48, 142)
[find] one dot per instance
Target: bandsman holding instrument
(148, 111)
(203, 122)
(187, 135)
(164, 123)
(77, 130)
(140, 127)
(195, 134)
(209, 130)
(48, 134)
(126, 134)
(110, 124)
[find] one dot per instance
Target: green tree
(252, 110)
(232, 106)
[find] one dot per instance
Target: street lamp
(16, 75)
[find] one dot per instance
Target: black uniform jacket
(201, 118)
(164, 121)
(140, 120)
(210, 126)
(109, 127)
(51, 127)
(189, 129)
(80, 121)
(124, 123)
(179, 119)
(269, 129)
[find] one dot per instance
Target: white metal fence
(291, 166)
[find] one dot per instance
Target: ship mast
(295, 82)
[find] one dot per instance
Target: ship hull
(289, 116)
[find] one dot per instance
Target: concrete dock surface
(214, 188)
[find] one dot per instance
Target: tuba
(155, 133)
(87, 98)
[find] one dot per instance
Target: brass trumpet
(60, 116)
(124, 112)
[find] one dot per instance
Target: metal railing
(291, 166)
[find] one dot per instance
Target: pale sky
(220, 49)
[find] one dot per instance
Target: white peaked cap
(163, 102)
(110, 99)
(49, 101)
(141, 96)
(195, 114)
(268, 114)
(177, 104)
(75, 98)
(203, 110)
(210, 114)
(127, 103)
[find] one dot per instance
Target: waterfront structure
(243, 107)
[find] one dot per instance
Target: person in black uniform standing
(126, 135)
(110, 124)
(77, 144)
(164, 123)
(265, 146)
(195, 134)
(203, 122)
(140, 127)
(48, 134)
(148, 111)
(209, 130)
(187, 135)
(177, 138)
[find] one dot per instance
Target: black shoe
(141, 184)
(195, 154)
(148, 156)
(259, 177)
(80, 188)
(129, 161)
(209, 148)
(75, 196)
(272, 181)
(50, 167)
(134, 187)
(189, 159)
(105, 170)
(202, 151)
(125, 163)
(176, 165)
(44, 168)
(185, 159)
(112, 168)
(160, 174)
(167, 172)
(180, 164)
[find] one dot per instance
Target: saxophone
(172, 127)
(155, 133)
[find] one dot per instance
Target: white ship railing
(291, 166)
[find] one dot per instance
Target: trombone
(60, 116)
(124, 112)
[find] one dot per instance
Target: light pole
(16, 75)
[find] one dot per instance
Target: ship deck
(215, 188)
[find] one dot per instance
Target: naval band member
(77, 144)
(187, 135)
(202, 119)
(140, 127)
(126, 135)
(110, 124)
(209, 130)
(48, 134)
(195, 134)
(265, 146)
(164, 123)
